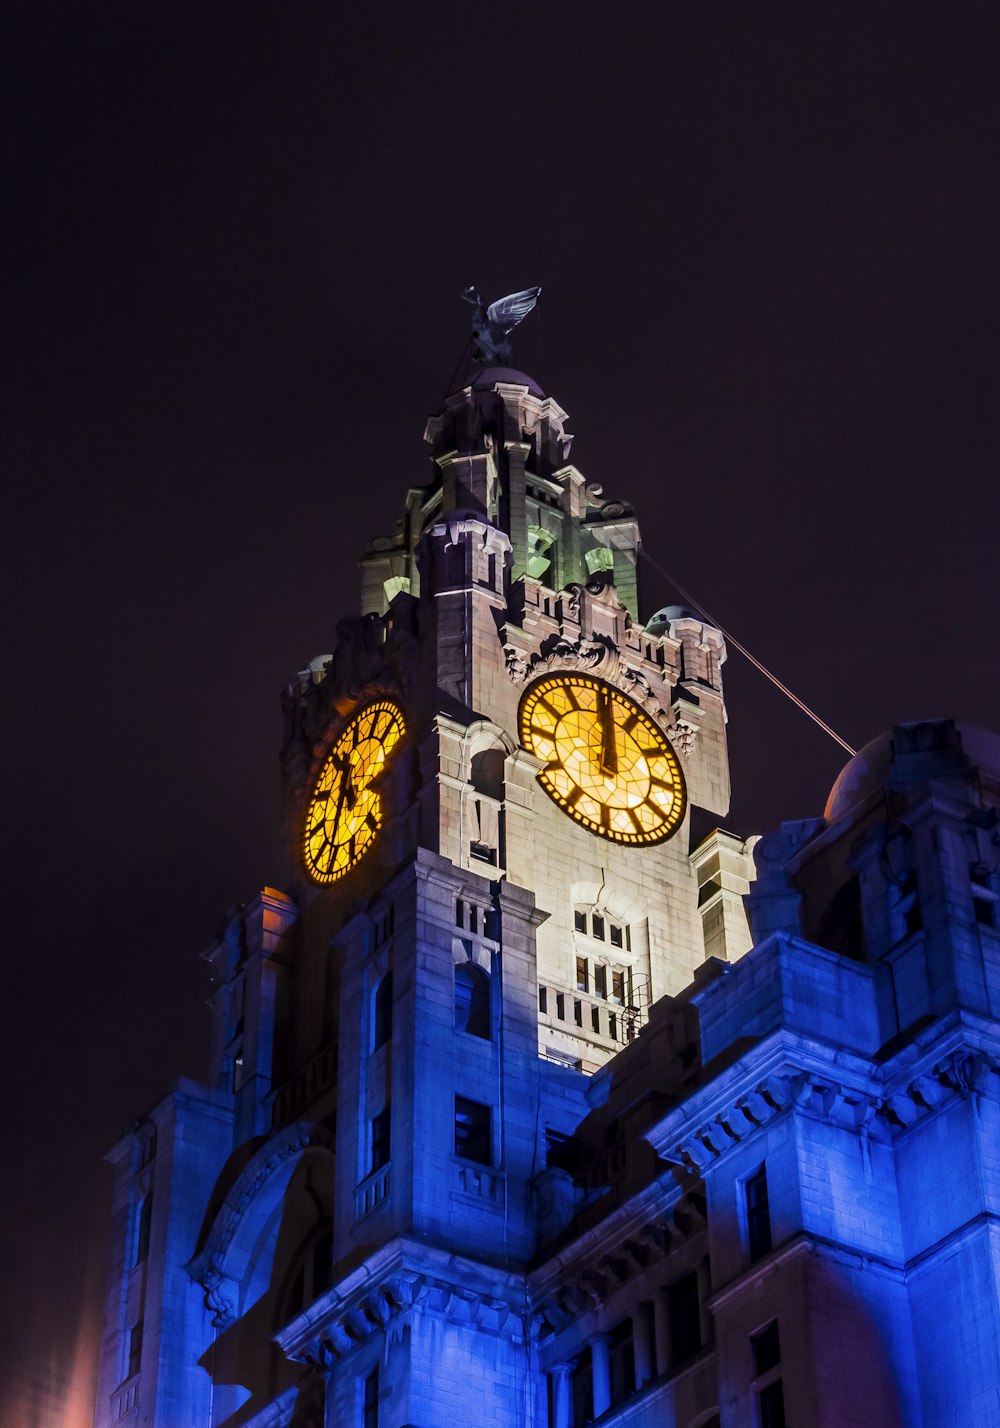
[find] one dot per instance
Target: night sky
(235, 238)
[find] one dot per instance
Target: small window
(473, 1137)
(578, 1012)
(597, 926)
(582, 975)
(580, 920)
(543, 1000)
(322, 1264)
(618, 986)
(766, 1350)
(758, 1212)
(134, 1349)
(370, 1407)
(382, 1013)
(595, 1018)
(983, 896)
(612, 1026)
(684, 1316)
(472, 1000)
(615, 935)
(560, 1006)
(473, 918)
(459, 912)
(380, 1128)
(601, 981)
(771, 1405)
(142, 1229)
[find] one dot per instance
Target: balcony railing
(372, 1191)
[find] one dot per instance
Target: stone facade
(507, 1125)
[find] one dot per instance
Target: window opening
(370, 1410)
(472, 1000)
(473, 1137)
(758, 1212)
(580, 920)
(597, 926)
(380, 1134)
(382, 1018)
(582, 975)
(684, 1317)
(142, 1229)
(134, 1349)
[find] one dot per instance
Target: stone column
(562, 1395)
(641, 1345)
(600, 1362)
(661, 1329)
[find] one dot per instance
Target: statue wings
(506, 313)
(490, 330)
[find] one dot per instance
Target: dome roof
(487, 377)
(911, 753)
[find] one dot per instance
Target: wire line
(732, 640)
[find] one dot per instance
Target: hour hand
(609, 747)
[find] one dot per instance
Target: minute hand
(609, 745)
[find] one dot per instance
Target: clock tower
(490, 786)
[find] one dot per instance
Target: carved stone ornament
(600, 657)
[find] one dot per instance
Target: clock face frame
(344, 812)
(607, 763)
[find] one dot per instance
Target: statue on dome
(490, 330)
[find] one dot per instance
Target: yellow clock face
(345, 810)
(607, 764)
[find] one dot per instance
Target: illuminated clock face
(607, 764)
(345, 811)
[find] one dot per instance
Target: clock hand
(609, 747)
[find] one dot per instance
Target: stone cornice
(789, 1073)
(402, 1278)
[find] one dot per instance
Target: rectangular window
(134, 1349)
(543, 999)
(684, 1317)
(473, 1134)
(578, 1012)
(380, 1128)
(616, 935)
(595, 1018)
(612, 1026)
(618, 986)
(459, 912)
(597, 925)
(771, 1405)
(582, 975)
(758, 1212)
(622, 1356)
(601, 981)
(370, 1418)
(560, 1006)
(580, 921)
(766, 1350)
(142, 1230)
(382, 1013)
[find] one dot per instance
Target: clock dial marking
(604, 757)
(344, 812)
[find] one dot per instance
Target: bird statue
(490, 330)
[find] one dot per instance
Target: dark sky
(235, 239)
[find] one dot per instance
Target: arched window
(382, 1012)
(472, 1000)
